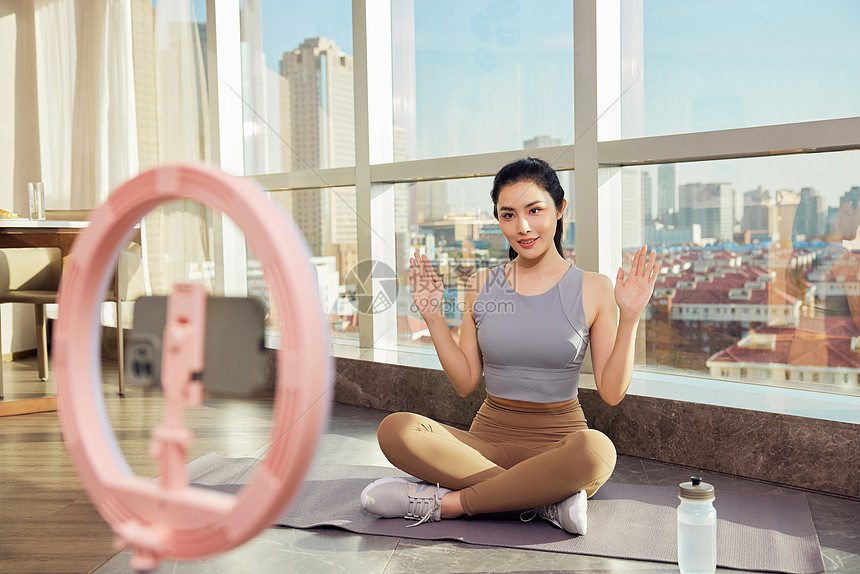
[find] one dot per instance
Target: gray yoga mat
(763, 532)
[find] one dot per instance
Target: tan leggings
(515, 456)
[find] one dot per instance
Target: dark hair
(541, 174)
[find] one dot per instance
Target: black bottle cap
(696, 489)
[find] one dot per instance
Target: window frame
(597, 161)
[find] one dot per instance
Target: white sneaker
(570, 514)
(397, 497)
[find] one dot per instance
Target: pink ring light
(188, 523)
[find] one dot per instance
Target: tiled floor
(350, 439)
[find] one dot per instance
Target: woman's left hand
(634, 292)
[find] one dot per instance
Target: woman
(526, 327)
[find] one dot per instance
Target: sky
(287, 24)
(734, 63)
(507, 75)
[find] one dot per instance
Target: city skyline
(285, 28)
(726, 201)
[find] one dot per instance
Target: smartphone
(235, 362)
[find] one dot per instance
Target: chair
(32, 275)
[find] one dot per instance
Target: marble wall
(794, 451)
(397, 388)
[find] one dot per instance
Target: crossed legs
(489, 474)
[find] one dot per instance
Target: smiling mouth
(527, 241)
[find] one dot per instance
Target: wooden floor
(47, 523)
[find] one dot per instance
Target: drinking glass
(36, 196)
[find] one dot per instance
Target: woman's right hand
(427, 287)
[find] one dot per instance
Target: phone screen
(235, 357)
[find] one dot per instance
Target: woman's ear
(560, 210)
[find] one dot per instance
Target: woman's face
(527, 217)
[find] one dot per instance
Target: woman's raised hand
(427, 287)
(634, 292)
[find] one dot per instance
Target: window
(778, 252)
(699, 66)
(297, 86)
(474, 86)
(452, 222)
(507, 69)
(327, 220)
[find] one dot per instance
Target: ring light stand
(169, 518)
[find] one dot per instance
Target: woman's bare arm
(462, 363)
(616, 319)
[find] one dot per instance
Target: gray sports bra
(533, 345)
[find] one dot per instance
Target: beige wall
(19, 141)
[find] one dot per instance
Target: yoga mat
(762, 532)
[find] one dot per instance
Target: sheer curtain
(56, 56)
(86, 99)
(181, 231)
(104, 131)
(122, 87)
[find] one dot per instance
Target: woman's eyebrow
(506, 208)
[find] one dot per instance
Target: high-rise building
(631, 208)
(647, 212)
(843, 221)
(322, 117)
(343, 215)
(770, 216)
(667, 189)
(403, 72)
(311, 211)
(258, 84)
(172, 119)
(145, 82)
(285, 103)
(758, 210)
(809, 221)
(785, 212)
(711, 205)
(541, 141)
(431, 201)
(321, 135)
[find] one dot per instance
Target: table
(60, 234)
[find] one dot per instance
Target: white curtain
(183, 109)
(56, 56)
(87, 125)
(122, 84)
(86, 101)
(181, 231)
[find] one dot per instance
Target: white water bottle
(697, 528)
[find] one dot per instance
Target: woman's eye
(535, 209)
(506, 216)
